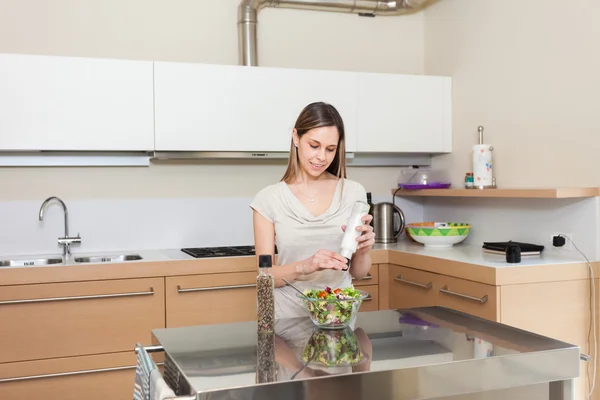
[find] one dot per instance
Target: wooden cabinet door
(411, 288)
(98, 377)
(78, 318)
(210, 299)
(470, 297)
(371, 303)
(372, 278)
(75, 103)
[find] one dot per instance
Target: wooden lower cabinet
(97, 377)
(470, 297)
(410, 288)
(78, 318)
(224, 298)
(371, 303)
(210, 299)
(372, 278)
(560, 310)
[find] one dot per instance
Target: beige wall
(528, 71)
(196, 31)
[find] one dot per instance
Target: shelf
(517, 193)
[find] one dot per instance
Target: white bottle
(349, 243)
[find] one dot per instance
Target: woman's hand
(323, 259)
(367, 238)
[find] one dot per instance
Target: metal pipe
(150, 349)
(70, 373)
(248, 16)
(247, 39)
(85, 297)
(208, 289)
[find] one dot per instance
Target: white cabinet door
(204, 107)
(404, 113)
(67, 103)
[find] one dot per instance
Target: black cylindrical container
(513, 254)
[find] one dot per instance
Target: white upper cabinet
(204, 107)
(84, 104)
(404, 113)
(67, 103)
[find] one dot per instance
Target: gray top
(450, 353)
(299, 234)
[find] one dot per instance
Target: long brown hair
(317, 115)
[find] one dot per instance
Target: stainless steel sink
(108, 258)
(30, 263)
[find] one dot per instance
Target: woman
(304, 214)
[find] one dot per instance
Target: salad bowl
(333, 348)
(333, 308)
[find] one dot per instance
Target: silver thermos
(388, 222)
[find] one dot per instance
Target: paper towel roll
(482, 349)
(482, 165)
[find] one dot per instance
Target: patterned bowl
(438, 234)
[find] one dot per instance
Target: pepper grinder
(483, 172)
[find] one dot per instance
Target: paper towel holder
(488, 177)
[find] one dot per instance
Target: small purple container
(417, 186)
(413, 320)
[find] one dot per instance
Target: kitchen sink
(30, 263)
(108, 258)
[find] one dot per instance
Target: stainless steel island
(425, 353)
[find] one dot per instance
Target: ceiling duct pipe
(248, 16)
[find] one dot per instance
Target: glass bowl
(333, 348)
(333, 313)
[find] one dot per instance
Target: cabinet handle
(206, 289)
(421, 285)
(368, 298)
(464, 296)
(366, 278)
(94, 296)
(59, 374)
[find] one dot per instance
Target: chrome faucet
(65, 241)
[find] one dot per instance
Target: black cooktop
(226, 251)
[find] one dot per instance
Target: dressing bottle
(349, 243)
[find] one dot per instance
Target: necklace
(311, 199)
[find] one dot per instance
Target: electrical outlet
(568, 238)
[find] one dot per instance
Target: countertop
(462, 260)
(440, 346)
(462, 253)
(473, 254)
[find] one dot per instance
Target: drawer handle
(206, 289)
(421, 285)
(464, 296)
(94, 296)
(366, 278)
(83, 372)
(368, 298)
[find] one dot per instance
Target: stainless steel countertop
(406, 354)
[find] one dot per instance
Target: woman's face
(317, 149)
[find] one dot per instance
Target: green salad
(332, 306)
(332, 348)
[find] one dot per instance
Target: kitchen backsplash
(137, 224)
(161, 223)
(524, 220)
